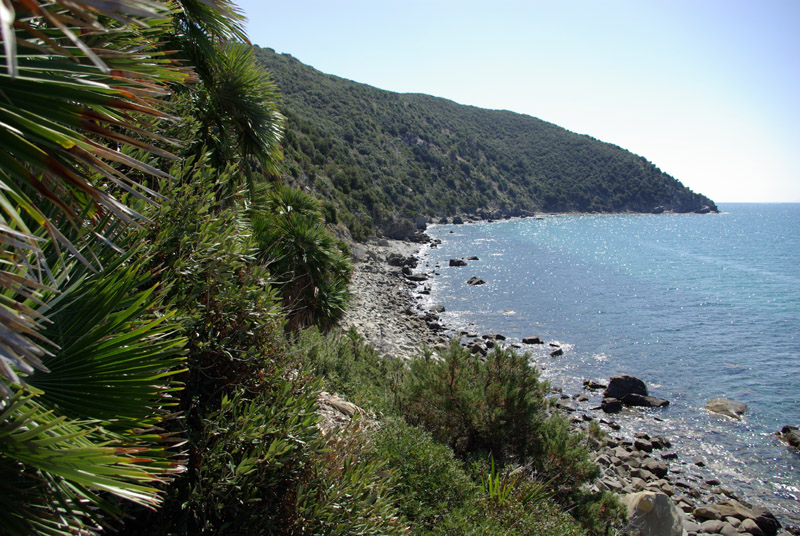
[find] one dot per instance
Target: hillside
(380, 157)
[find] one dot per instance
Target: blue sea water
(698, 306)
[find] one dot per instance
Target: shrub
(431, 482)
(351, 367)
(249, 456)
(496, 405)
(348, 490)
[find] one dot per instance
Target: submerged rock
(727, 407)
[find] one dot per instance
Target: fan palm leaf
(81, 89)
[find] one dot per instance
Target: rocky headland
(662, 492)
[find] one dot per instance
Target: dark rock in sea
(620, 386)
(727, 407)
(532, 340)
(417, 277)
(557, 353)
(471, 258)
(473, 281)
(457, 262)
(634, 399)
(591, 384)
(457, 220)
(494, 336)
(790, 434)
(437, 308)
(611, 405)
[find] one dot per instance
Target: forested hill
(379, 157)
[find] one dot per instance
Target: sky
(707, 90)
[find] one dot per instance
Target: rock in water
(653, 514)
(473, 281)
(729, 408)
(644, 401)
(791, 434)
(611, 405)
(620, 386)
(457, 262)
(532, 340)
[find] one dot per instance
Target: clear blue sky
(708, 90)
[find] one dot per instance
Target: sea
(697, 306)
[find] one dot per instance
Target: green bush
(430, 480)
(474, 405)
(348, 490)
(351, 367)
(249, 457)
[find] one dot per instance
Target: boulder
(395, 259)
(660, 469)
(557, 352)
(727, 407)
(443, 221)
(791, 435)
(473, 281)
(760, 517)
(611, 405)
(532, 340)
(622, 385)
(644, 401)
(457, 220)
(457, 262)
(471, 258)
(421, 223)
(653, 514)
(437, 309)
(751, 527)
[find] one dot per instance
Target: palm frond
(83, 82)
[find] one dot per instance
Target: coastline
(385, 310)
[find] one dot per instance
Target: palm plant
(88, 351)
(72, 111)
(236, 104)
(308, 266)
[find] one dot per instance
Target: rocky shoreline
(663, 494)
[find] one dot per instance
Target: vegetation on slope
(169, 316)
(379, 156)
